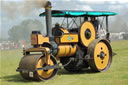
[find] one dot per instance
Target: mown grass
(116, 75)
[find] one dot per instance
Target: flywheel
(100, 53)
(30, 63)
(87, 33)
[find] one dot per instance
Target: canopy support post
(67, 23)
(80, 20)
(107, 24)
(107, 30)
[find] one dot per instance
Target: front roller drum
(100, 53)
(29, 65)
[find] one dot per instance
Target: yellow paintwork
(69, 38)
(38, 39)
(57, 39)
(97, 51)
(42, 39)
(87, 25)
(48, 58)
(42, 73)
(66, 50)
(64, 30)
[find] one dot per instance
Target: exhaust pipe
(48, 7)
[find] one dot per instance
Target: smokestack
(48, 7)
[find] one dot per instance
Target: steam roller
(75, 49)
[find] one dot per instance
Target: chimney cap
(48, 5)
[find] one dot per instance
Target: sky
(122, 1)
(107, 5)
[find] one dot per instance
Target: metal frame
(73, 21)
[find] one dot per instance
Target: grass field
(116, 75)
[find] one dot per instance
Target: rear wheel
(100, 55)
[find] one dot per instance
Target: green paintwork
(68, 13)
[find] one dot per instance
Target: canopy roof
(78, 13)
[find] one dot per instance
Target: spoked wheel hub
(100, 55)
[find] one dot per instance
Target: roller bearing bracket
(56, 66)
(44, 68)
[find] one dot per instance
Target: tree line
(24, 29)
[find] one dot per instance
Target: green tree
(24, 29)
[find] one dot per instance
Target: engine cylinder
(66, 50)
